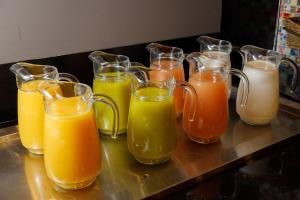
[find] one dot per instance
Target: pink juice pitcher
(218, 49)
(209, 77)
(170, 59)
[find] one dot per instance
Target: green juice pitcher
(111, 78)
(151, 134)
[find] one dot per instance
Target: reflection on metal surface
(22, 175)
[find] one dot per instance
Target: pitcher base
(255, 122)
(109, 132)
(152, 161)
(36, 151)
(75, 186)
(205, 140)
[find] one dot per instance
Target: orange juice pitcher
(171, 59)
(72, 150)
(211, 117)
(30, 101)
(151, 135)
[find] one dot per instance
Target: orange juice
(211, 116)
(176, 68)
(118, 88)
(31, 116)
(71, 143)
(151, 133)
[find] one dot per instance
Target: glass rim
(27, 65)
(263, 53)
(60, 83)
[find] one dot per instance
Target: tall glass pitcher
(169, 58)
(151, 135)
(30, 101)
(72, 150)
(261, 67)
(211, 118)
(218, 49)
(111, 78)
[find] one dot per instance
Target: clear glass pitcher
(261, 67)
(218, 49)
(111, 78)
(169, 58)
(72, 150)
(151, 134)
(30, 101)
(211, 117)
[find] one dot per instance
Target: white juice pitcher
(262, 69)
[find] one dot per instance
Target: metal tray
(22, 175)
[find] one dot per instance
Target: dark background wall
(249, 22)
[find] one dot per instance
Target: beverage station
(143, 131)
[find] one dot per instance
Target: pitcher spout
(212, 44)
(20, 71)
(108, 63)
(158, 51)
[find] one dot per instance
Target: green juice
(151, 135)
(119, 89)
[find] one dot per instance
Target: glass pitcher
(218, 49)
(72, 150)
(211, 117)
(30, 101)
(151, 134)
(111, 78)
(261, 67)
(169, 58)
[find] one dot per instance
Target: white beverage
(223, 57)
(263, 98)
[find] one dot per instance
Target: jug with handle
(111, 78)
(261, 67)
(211, 117)
(218, 49)
(169, 58)
(151, 135)
(72, 149)
(30, 101)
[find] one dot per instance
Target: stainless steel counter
(22, 175)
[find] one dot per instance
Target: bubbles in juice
(263, 98)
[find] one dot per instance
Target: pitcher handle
(194, 97)
(245, 84)
(67, 77)
(238, 50)
(294, 66)
(139, 71)
(112, 104)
